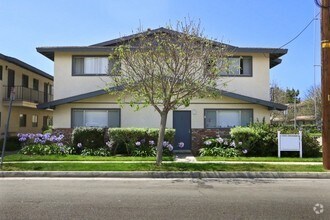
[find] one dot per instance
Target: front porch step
(182, 151)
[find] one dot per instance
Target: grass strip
(164, 167)
(21, 157)
(260, 159)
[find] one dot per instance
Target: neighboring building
(80, 74)
(302, 112)
(32, 87)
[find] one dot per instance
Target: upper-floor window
(238, 66)
(35, 84)
(87, 65)
(25, 81)
(1, 69)
(227, 118)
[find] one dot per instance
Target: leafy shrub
(149, 149)
(51, 149)
(102, 152)
(144, 151)
(48, 131)
(219, 147)
(219, 152)
(89, 137)
(311, 128)
(125, 140)
(261, 140)
(12, 144)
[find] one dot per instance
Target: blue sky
(26, 25)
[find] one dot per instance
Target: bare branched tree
(166, 69)
(313, 102)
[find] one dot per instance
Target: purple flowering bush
(220, 147)
(43, 144)
(48, 138)
(148, 148)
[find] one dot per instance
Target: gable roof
(53, 104)
(26, 66)
(107, 46)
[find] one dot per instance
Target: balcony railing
(27, 94)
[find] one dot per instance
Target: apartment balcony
(26, 97)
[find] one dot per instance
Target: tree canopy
(167, 68)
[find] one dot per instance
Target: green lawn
(261, 159)
(164, 167)
(21, 157)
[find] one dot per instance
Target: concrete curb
(195, 162)
(173, 174)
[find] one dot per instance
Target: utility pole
(325, 81)
(12, 97)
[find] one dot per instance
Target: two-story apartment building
(32, 87)
(80, 74)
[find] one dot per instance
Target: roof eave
(26, 66)
(50, 51)
(53, 104)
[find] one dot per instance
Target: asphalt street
(108, 198)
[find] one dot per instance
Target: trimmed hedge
(261, 140)
(125, 139)
(88, 137)
(12, 144)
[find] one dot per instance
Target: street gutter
(167, 174)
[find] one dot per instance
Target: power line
(315, 18)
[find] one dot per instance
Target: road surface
(101, 198)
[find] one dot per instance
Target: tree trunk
(161, 136)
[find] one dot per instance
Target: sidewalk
(189, 160)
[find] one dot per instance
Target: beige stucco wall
(14, 120)
(29, 111)
(67, 85)
(256, 86)
(19, 71)
(148, 117)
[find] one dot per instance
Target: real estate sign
(289, 142)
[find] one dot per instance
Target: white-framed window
(227, 118)
(237, 66)
(88, 65)
(95, 118)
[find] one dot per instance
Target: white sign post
(289, 142)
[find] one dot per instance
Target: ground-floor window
(34, 120)
(47, 121)
(227, 118)
(22, 120)
(96, 117)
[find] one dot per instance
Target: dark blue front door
(182, 126)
